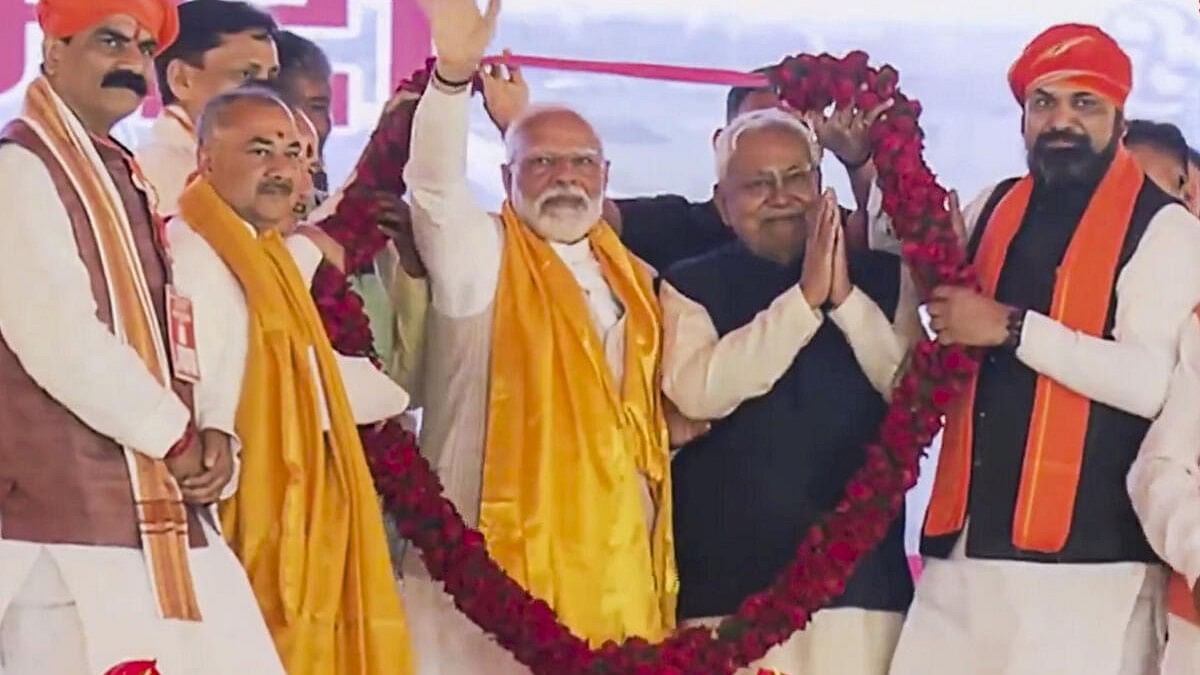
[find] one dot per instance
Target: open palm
(461, 33)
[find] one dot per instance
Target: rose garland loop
(526, 626)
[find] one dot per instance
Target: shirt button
(981, 415)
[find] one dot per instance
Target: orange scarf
(305, 521)
(1082, 295)
(162, 517)
(567, 444)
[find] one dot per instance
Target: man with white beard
(544, 351)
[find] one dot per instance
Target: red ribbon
(646, 71)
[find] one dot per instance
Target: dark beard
(1075, 166)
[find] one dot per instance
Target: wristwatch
(1016, 326)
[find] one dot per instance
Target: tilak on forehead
(1075, 54)
(64, 18)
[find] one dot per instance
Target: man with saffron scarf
(306, 523)
(108, 550)
(1035, 560)
(545, 343)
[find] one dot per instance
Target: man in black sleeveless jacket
(788, 345)
(1035, 560)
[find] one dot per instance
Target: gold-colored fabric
(162, 517)
(305, 522)
(567, 445)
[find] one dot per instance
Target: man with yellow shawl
(544, 417)
(306, 522)
(108, 550)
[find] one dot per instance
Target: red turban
(64, 18)
(1080, 55)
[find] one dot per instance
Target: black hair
(202, 25)
(738, 95)
(300, 56)
(1194, 157)
(1162, 136)
(214, 110)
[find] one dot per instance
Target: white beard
(561, 223)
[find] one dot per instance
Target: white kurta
(460, 244)
(168, 158)
(709, 376)
(998, 617)
(1165, 487)
(48, 319)
(222, 331)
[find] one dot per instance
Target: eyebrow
(260, 140)
(114, 34)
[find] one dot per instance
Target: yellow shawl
(562, 500)
(305, 522)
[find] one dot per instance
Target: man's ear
(716, 135)
(719, 202)
(52, 55)
(179, 78)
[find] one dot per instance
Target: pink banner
(647, 71)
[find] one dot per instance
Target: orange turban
(64, 18)
(1077, 54)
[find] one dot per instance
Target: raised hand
(505, 92)
(817, 279)
(846, 132)
(461, 33)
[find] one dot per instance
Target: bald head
(250, 152)
(226, 109)
(556, 173)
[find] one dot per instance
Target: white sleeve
(1156, 293)
(221, 323)
(167, 168)
(1164, 483)
(708, 376)
(458, 240)
(880, 346)
(48, 319)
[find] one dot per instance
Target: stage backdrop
(952, 56)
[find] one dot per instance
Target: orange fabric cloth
(64, 18)
(1179, 600)
(1082, 55)
(1059, 420)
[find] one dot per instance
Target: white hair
(727, 140)
(529, 114)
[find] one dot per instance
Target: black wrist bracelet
(1016, 325)
(450, 83)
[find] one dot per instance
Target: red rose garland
(825, 559)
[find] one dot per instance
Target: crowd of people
(641, 404)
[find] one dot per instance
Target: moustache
(124, 79)
(575, 197)
(1074, 142)
(283, 188)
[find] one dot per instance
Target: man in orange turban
(109, 548)
(1035, 560)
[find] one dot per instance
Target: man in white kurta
(1164, 484)
(1014, 584)
(72, 608)
(789, 345)
(221, 46)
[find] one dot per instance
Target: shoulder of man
(694, 276)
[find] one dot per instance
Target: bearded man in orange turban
(1035, 560)
(109, 548)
